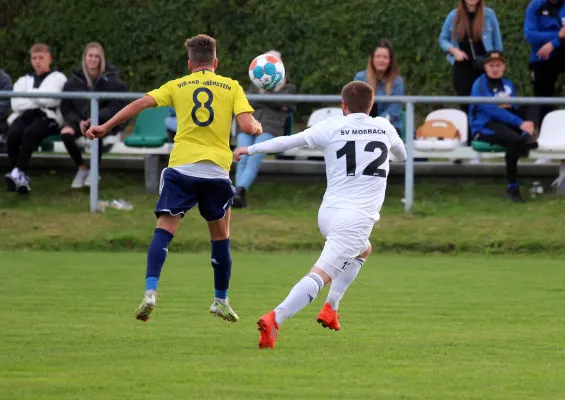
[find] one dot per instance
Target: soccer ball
(266, 72)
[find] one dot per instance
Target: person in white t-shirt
(357, 150)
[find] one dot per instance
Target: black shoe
(514, 195)
(239, 198)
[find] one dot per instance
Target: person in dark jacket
(272, 117)
(5, 84)
(501, 124)
(95, 74)
(544, 29)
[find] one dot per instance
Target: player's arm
(276, 145)
(249, 124)
(129, 111)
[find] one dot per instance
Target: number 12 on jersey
(351, 158)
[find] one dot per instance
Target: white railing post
(409, 167)
(94, 149)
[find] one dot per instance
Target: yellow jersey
(205, 104)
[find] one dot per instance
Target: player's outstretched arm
(275, 145)
(249, 124)
(129, 111)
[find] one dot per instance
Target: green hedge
(323, 42)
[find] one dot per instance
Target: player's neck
(203, 68)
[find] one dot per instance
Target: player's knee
(170, 223)
(367, 252)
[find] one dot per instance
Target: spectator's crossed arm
(21, 104)
(114, 105)
(54, 82)
(533, 35)
(493, 110)
(444, 39)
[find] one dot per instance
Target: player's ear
(215, 63)
(189, 65)
(344, 107)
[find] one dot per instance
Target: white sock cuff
(317, 279)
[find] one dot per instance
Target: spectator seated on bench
(500, 125)
(94, 74)
(33, 119)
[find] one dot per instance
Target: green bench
(150, 130)
(47, 143)
(484, 147)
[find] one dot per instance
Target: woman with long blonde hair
(384, 77)
(93, 74)
(468, 33)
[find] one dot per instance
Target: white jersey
(356, 151)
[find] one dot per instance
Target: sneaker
(223, 310)
(239, 200)
(80, 178)
(329, 318)
(10, 182)
(269, 330)
(23, 184)
(514, 195)
(147, 306)
(88, 180)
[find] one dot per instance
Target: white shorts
(347, 236)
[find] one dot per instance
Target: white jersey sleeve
(397, 149)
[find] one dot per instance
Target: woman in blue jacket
(468, 33)
(383, 75)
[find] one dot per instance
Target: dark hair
(201, 50)
(390, 74)
(358, 96)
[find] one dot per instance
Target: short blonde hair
(39, 48)
(201, 50)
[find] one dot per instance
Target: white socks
(342, 282)
(299, 297)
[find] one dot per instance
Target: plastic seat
(552, 133)
(323, 114)
(457, 118)
(47, 143)
(150, 130)
(484, 147)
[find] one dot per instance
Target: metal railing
(409, 101)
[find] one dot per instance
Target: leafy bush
(323, 42)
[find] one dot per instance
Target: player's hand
(96, 132)
(545, 51)
(84, 125)
(527, 126)
(240, 151)
(67, 130)
(258, 128)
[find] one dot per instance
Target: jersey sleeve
(163, 96)
(316, 136)
(240, 102)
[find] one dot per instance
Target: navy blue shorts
(179, 193)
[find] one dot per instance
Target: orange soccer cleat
(269, 331)
(329, 318)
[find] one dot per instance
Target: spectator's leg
(14, 138)
(252, 168)
(544, 77)
(516, 146)
(32, 136)
(73, 149)
(464, 75)
(243, 140)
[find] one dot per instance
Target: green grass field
(449, 216)
(426, 327)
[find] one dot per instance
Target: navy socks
(156, 256)
(221, 262)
